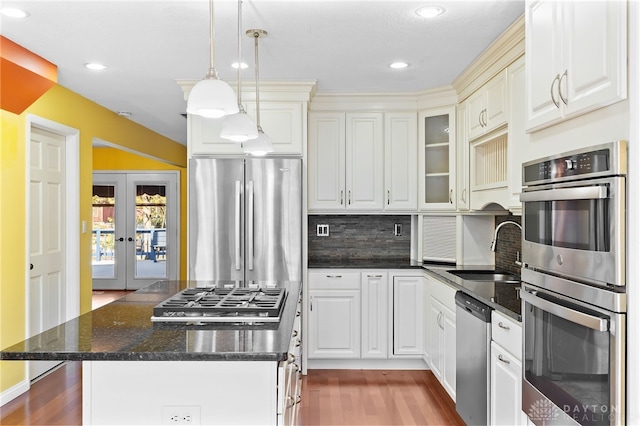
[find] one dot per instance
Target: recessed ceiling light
(13, 12)
(242, 65)
(399, 65)
(95, 66)
(430, 11)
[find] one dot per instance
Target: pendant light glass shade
(259, 146)
(239, 127)
(211, 97)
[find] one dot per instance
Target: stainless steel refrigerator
(245, 219)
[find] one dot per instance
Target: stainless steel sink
(485, 275)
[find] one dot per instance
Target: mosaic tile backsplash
(509, 244)
(360, 237)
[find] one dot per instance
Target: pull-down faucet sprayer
(495, 234)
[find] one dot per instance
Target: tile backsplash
(360, 237)
(509, 243)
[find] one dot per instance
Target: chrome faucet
(495, 234)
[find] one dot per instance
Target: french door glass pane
(151, 231)
(103, 231)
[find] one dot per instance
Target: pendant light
(211, 97)
(261, 145)
(239, 127)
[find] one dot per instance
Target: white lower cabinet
(506, 371)
(407, 315)
(442, 334)
(371, 315)
(375, 317)
(334, 314)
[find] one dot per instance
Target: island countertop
(123, 331)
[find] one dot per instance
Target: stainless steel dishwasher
(473, 343)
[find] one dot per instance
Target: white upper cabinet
(362, 161)
(437, 159)
(576, 58)
(487, 107)
(462, 166)
(400, 163)
(326, 161)
(283, 122)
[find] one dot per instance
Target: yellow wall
(93, 121)
(115, 159)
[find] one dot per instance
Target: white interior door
(135, 229)
(47, 212)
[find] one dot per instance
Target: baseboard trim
(14, 392)
(367, 364)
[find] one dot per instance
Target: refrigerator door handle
(237, 224)
(250, 227)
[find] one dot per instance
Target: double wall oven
(573, 291)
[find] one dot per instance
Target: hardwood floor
(56, 399)
(375, 397)
(329, 397)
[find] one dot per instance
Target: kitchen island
(136, 371)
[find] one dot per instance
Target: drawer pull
(506, 361)
(334, 276)
(375, 276)
(501, 325)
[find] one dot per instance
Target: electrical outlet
(181, 415)
(322, 230)
(397, 229)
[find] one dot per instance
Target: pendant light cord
(212, 73)
(256, 36)
(239, 55)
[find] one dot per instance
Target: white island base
(181, 392)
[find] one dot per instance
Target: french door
(134, 229)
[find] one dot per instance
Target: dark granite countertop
(502, 297)
(123, 331)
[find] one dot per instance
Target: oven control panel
(573, 165)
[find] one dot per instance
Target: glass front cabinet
(437, 140)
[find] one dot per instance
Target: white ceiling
(345, 45)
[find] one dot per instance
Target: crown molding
(499, 55)
(270, 90)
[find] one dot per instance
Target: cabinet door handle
(464, 195)
(388, 197)
(451, 196)
(501, 358)
(311, 303)
(562, 98)
(553, 98)
(349, 197)
(484, 117)
(501, 325)
(439, 321)
(342, 197)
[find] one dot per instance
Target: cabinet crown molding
(498, 56)
(270, 90)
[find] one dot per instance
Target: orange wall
(65, 107)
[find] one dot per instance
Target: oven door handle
(579, 193)
(595, 323)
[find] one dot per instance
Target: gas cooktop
(222, 304)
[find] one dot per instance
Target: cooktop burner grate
(220, 304)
